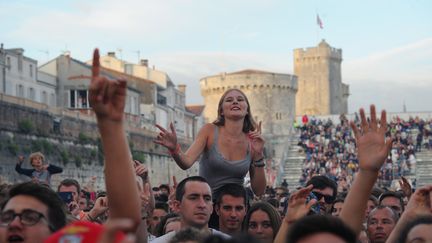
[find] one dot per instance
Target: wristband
(259, 163)
(90, 217)
(176, 151)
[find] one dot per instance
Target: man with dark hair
(325, 190)
(159, 211)
(31, 214)
(392, 200)
(380, 223)
(164, 189)
(193, 201)
(320, 228)
(72, 186)
(231, 208)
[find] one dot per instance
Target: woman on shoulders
(230, 147)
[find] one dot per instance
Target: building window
(8, 63)
(20, 91)
(44, 97)
(82, 99)
(52, 99)
(20, 63)
(72, 99)
(31, 70)
(31, 94)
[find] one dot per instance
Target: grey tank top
(219, 171)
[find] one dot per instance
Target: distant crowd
(330, 149)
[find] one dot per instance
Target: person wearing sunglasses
(31, 214)
(324, 190)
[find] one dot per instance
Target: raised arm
(372, 150)
(256, 172)
(53, 169)
(107, 98)
(184, 160)
(298, 207)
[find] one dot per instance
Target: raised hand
(141, 170)
(107, 97)
(297, 205)
(166, 138)
(373, 147)
(257, 143)
(405, 187)
(100, 207)
(20, 159)
(420, 202)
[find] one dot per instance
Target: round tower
(271, 97)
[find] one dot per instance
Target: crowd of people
(215, 206)
(330, 149)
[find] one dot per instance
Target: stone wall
(71, 140)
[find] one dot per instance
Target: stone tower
(271, 97)
(320, 87)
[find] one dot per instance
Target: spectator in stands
(72, 186)
(337, 206)
(392, 200)
(281, 192)
(325, 190)
(380, 224)
(41, 172)
(233, 138)
(231, 208)
(194, 203)
(262, 221)
(168, 223)
(159, 211)
(371, 204)
(31, 214)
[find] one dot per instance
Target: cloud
(391, 78)
(409, 64)
(189, 67)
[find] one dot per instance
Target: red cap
(80, 232)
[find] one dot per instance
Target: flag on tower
(319, 22)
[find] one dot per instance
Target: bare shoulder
(208, 128)
(207, 132)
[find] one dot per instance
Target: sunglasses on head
(327, 199)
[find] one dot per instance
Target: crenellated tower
(320, 87)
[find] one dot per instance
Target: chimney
(182, 88)
(111, 54)
(144, 62)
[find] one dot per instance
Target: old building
(19, 77)
(320, 87)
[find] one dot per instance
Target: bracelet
(176, 151)
(259, 163)
(90, 217)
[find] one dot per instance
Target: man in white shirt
(194, 203)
